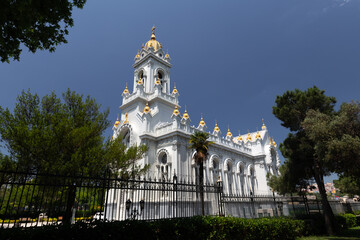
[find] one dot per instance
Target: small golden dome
(157, 82)
(185, 115)
(274, 143)
(140, 82)
(202, 122)
(137, 55)
(126, 90)
(216, 128)
(258, 136)
(167, 55)
(229, 134)
(116, 122)
(126, 119)
(176, 111)
(152, 42)
(240, 138)
(175, 90)
(248, 138)
(263, 126)
(147, 108)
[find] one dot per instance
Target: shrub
(176, 229)
(346, 220)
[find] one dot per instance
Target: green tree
(348, 185)
(64, 137)
(36, 24)
(336, 140)
(302, 165)
(198, 141)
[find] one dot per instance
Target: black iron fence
(29, 199)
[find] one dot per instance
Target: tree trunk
(201, 183)
(327, 211)
(69, 205)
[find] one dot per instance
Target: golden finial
(147, 108)
(176, 111)
(229, 134)
(185, 115)
(167, 55)
(126, 119)
(126, 89)
(140, 81)
(153, 33)
(248, 138)
(263, 126)
(216, 129)
(274, 143)
(116, 124)
(270, 140)
(258, 136)
(239, 137)
(175, 90)
(137, 55)
(142, 46)
(202, 122)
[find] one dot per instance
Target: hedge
(176, 229)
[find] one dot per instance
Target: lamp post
(133, 213)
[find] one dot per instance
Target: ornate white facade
(151, 115)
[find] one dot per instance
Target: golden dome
(157, 82)
(176, 111)
(126, 119)
(248, 138)
(167, 55)
(152, 42)
(175, 90)
(229, 134)
(274, 143)
(216, 128)
(126, 90)
(147, 108)
(258, 136)
(185, 115)
(116, 122)
(263, 126)
(202, 122)
(137, 55)
(140, 82)
(239, 138)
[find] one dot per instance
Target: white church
(151, 115)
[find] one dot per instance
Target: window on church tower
(215, 171)
(242, 180)
(126, 138)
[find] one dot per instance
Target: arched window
(164, 166)
(161, 76)
(215, 170)
(241, 179)
(230, 177)
(252, 180)
(126, 137)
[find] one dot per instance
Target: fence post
(219, 191)
(292, 203)
(174, 195)
(306, 205)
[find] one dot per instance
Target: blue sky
(230, 58)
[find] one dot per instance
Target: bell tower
(152, 66)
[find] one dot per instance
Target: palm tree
(198, 141)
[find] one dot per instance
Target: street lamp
(133, 213)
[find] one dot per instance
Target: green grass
(350, 234)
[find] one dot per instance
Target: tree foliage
(63, 137)
(302, 165)
(38, 25)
